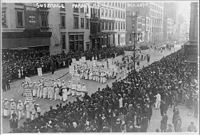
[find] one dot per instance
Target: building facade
(146, 22)
(25, 26)
(113, 22)
(170, 22)
(156, 15)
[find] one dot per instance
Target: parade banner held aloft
(39, 70)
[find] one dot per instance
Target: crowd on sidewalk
(20, 63)
(128, 105)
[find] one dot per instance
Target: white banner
(39, 71)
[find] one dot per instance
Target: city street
(16, 93)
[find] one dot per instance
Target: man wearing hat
(20, 109)
(13, 106)
(6, 107)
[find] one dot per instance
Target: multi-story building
(146, 21)
(113, 22)
(57, 27)
(156, 15)
(138, 23)
(169, 21)
(25, 26)
(77, 27)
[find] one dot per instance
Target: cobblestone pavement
(92, 86)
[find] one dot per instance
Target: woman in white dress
(34, 89)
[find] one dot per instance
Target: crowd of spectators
(20, 63)
(127, 105)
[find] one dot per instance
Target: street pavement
(92, 86)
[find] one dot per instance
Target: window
(113, 25)
(102, 12)
(87, 9)
(106, 13)
(76, 8)
(44, 19)
(76, 22)
(102, 25)
(4, 22)
(63, 41)
(76, 42)
(82, 9)
(62, 17)
(109, 13)
(106, 26)
(62, 8)
(110, 25)
(119, 25)
(20, 18)
(82, 22)
(113, 13)
(87, 23)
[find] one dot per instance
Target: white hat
(11, 99)
(19, 101)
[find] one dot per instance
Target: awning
(25, 39)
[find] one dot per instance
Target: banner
(28, 95)
(39, 70)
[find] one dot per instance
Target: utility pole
(134, 34)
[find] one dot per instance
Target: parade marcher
(32, 110)
(28, 109)
(51, 91)
(34, 89)
(158, 100)
(13, 122)
(169, 128)
(163, 125)
(6, 106)
(65, 93)
(20, 109)
(192, 127)
(38, 110)
(13, 107)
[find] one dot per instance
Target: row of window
(20, 22)
(115, 4)
(156, 14)
(79, 9)
(84, 22)
(113, 13)
(156, 7)
(113, 25)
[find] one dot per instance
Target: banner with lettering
(31, 16)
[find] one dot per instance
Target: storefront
(25, 39)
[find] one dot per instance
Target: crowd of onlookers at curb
(128, 105)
